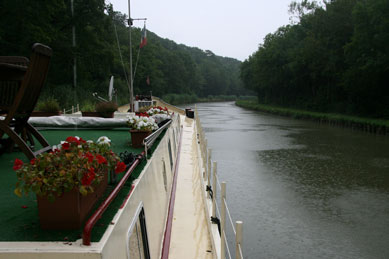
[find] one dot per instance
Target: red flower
(89, 156)
(120, 167)
(101, 159)
(32, 162)
(88, 177)
(65, 146)
(72, 139)
(17, 164)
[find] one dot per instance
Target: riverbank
(365, 124)
(177, 99)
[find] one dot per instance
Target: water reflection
(303, 190)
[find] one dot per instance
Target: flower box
(70, 210)
(137, 137)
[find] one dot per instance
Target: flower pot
(137, 137)
(70, 209)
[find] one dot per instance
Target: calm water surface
(303, 190)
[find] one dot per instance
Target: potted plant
(140, 128)
(49, 107)
(159, 114)
(88, 110)
(68, 181)
(106, 109)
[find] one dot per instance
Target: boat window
(170, 155)
(164, 175)
(174, 140)
(137, 242)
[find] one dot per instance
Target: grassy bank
(192, 98)
(369, 125)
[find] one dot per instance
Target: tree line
(335, 58)
(164, 67)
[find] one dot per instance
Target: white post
(205, 157)
(209, 166)
(238, 239)
(72, 109)
(78, 107)
(214, 189)
(64, 111)
(223, 222)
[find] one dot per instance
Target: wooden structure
(21, 83)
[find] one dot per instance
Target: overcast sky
(227, 28)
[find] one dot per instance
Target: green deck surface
(19, 216)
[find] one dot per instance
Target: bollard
(223, 222)
(238, 239)
(214, 189)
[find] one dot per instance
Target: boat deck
(189, 236)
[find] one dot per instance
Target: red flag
(143, 41)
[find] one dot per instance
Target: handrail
(149, 140)
(86, 235)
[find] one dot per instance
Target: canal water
(302, 190)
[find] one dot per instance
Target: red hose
(86, 235)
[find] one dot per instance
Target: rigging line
(137, 56)
(227, 246)
(229, 215)
(136, 63)
(120, 53)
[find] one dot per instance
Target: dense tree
(170, 67)
(335, 59)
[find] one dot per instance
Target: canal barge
(159, 208)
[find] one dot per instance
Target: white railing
(74, 109)
(214, 184)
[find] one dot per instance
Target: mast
(74, 47)
(130, 78)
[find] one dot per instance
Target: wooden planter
(69, 210)
(137, 137)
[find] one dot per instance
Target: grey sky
(227, 28)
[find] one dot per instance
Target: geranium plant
(142, 123)
(157, 110)
(75, 163)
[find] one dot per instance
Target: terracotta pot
(137, 137)
(70, 209)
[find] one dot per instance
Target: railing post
(238, 239)
(214, 189)
(205, 157)
(223, 222)
(64, 111)
(78, 107)
(72, 109)
(209, 166)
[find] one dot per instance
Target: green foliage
(88, 106)
(335, 59)
(49, 105)
(171, 68)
